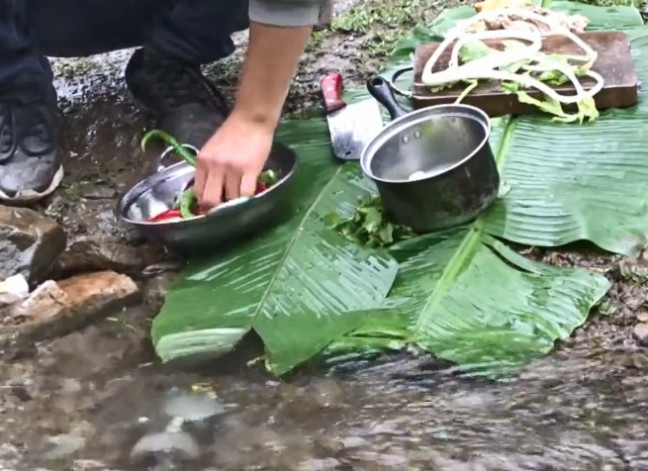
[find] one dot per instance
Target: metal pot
(434, 167)
(227, 223)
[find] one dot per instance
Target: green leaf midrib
(291, 243)
(468, 244)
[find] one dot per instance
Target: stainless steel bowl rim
(171, 172)
(415, 118)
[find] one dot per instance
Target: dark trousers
(194, 31)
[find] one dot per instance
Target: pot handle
(167, 151)
(382, 91)
(392, 81)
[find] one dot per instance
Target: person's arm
(270, 65)
(231, 161)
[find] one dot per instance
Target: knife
(351, 125)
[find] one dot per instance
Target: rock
(354, 442)
(643, 317)
(58, 308)
(641, 333)
(324, 392)
(6, 299)
(87, 465)
(29, 243)
(166, 442)
(44, 302)
(13, 289)
(156, 289)
(62, 446)
(70, 386)
(324, 464)
(92, 253)
(16, 285)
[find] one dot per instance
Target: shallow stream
(579, 409)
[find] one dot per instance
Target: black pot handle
(382, 91)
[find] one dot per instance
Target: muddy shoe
(186, 104)
(30, 162)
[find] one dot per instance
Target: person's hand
(229, 164)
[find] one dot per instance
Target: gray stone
(29, 243)
(93, 253)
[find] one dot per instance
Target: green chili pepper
(170, 141)
(188, 202)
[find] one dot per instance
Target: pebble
(166, 442)
(325, 392)
(96, 192)
(193, 407)
(61, 446)
(641, 333)
(87, 465)
(354, 442)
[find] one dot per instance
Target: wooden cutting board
(614, 63)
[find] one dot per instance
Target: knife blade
(352, 125)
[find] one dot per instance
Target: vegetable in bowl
(186, 205)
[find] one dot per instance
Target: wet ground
(97, 399)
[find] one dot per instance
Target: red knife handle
(331, 86)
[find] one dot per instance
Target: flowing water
(579, 409)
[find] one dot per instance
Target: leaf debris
(369, 226)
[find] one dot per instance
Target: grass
(381, 24)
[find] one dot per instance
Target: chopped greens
(369, 226)
(474, 49)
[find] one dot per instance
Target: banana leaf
(462, 295)
(298, 285)
(466, 297)
(568, 182)
(617, 18)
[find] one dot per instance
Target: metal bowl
(227, 223)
